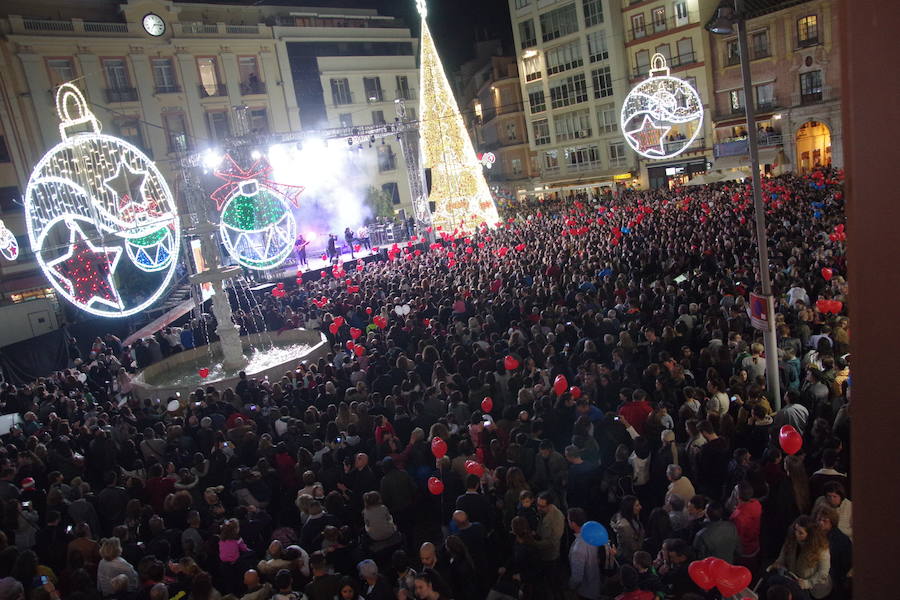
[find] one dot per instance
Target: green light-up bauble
(257, 226)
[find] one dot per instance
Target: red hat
(28, 483)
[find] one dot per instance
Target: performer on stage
(332, 247)
(348, 236)
(300, 250)
(362, 234)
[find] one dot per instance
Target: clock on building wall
(153, 24)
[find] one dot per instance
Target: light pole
(727, 16)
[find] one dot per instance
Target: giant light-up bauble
(659, 107)
(9, 247)
(101, 219)
(257, 226)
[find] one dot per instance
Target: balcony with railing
(374, 96)
(248, 88)
(209, 90)
(811, 97)
(387, 162)
(405, 94)
(657, 27)
(167, 89)
(121, 94)
(739, 146)
(674, 146)
(679, 60)
(19, 24)
(341, 98)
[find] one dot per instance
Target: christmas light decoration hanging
(9, 247)
(459, 191)
(257, 225)
(662, 115)
(100, 195)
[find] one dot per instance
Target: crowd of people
(328, 483)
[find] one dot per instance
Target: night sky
(455, 24)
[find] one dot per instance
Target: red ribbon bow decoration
(260, 170)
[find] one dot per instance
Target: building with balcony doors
(490, 98)
(673, 28)
(795, 68)
(170, 85)
(573, 76)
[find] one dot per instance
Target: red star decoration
(86, 270)
(648, 137)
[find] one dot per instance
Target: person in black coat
(841, 548)
(475, 504)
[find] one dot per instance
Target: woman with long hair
(805, 558)
(628, 528)
(515, 485)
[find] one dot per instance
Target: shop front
(675, 173)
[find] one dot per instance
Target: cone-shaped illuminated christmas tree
(459, 191)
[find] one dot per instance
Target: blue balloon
(594, 533)
(817, 214)
(626, 230)
(774, 196)
(818, 204)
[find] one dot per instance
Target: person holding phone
(805, 560)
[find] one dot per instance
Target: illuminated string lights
(662, 115)
(459, 191)
(257, 226)
(9, 247)
(103, 195)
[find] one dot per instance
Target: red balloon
(333, 328)
(350, 345)
(827, 273)
(575, 392)
(487, 405)
(435, 486)
(839, 228)
(368, 310)
(699, 572)
(790, 440)
(473, 467)
(510, 363)
(280, 285)
(355, 332)
(716, 567)
(836, 306)
(359, 350)
(380, 321)
(823, 306)
(438, 447)
(203, 373)
(732, 579)
(560, 385)
(339, 321)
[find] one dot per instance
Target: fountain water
(256, 354)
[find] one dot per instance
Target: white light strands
(257, 226)
(662, 115)
(9, 247)
(90, 198)
(461, 196)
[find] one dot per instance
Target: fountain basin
(269, 354)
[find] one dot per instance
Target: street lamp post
(724, 23)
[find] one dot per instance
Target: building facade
(167, 77)
(572, 72)
(674, 29)
(490, 99)
(795, 68)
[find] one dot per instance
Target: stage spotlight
(211, 159)
(255, 155)
(310, 236)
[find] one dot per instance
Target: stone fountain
(259, 355)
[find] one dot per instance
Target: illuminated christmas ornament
(9, 247)
(662, 115)
(487, 160)
(257, 225)
(459, 191)
(102, 195)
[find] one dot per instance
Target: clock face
(154, 25)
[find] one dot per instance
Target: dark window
(392, 190)
(4, 151)
(810, 87)
(9, 198)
